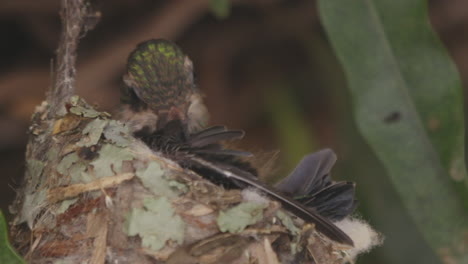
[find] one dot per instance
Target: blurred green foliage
(220, 8)
(407, 103)
(396, 106)
(295, 138)
(7, 254)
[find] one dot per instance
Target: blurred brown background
(267, 69)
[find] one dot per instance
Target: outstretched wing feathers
(310, 175)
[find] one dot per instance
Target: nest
(95, 194)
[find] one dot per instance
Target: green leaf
(7, 254)
(220, 8)
(408, 105)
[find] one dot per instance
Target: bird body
(165, 110)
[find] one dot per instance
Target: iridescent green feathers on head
(160, 75)
(159, 81)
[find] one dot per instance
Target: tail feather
(323, 225)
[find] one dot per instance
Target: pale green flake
(32, 206)
(52, 154)
(65, 260)
(237, 218)
(78, 173)
(155, 223)
(64, 205)
(117, 133)
(178, 186)
(74, 100)
(83, 111)
(288, 222)
(110, 160)
(153, 179)
(34, 169)
(66, 162)
(92, 133)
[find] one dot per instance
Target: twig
(70, 191)
(72, 14)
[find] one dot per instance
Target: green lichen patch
(295, 231)
(32, 205)
(81, 108)
(74, 100)
(237, 218)
(155, 223)
(71, 165)
(34, 169)
(65, 204)
(92, 133)
(178, 186)
(52, 154)
(153, 179)
(78, 173)
(287, 222)
(117, 133)
(84, 111)
(110, 160)
(66, 162)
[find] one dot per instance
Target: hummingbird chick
(165, 110)
(159, 87)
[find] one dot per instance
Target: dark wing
(311, 184)
(310, 175)
(335, 202)
(213, 135)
